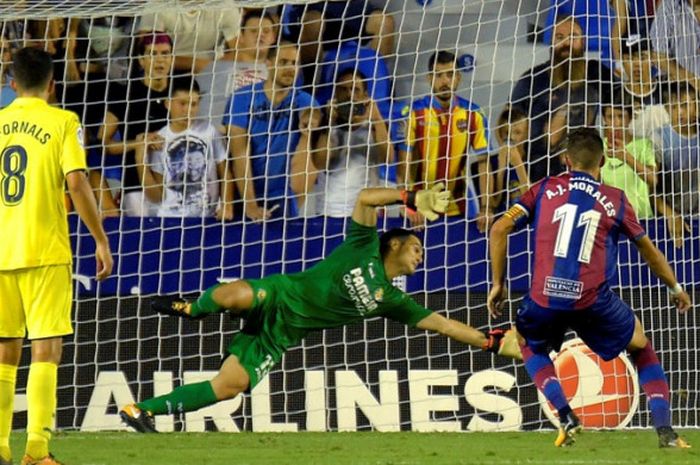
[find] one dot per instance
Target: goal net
(479, 95)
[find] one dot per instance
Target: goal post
(374, 375)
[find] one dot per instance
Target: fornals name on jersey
(359, 291)
(563, 288)
(587, 187)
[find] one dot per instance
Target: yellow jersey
(39, 145)
(444, 142)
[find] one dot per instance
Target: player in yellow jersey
(40, 151)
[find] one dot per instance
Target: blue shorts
(606, 327)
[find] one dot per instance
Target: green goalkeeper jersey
(347, 286)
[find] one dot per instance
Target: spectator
(196, 33)
(102, 46)
(511, 141)
(356, 143)
(643, 87)
(270, 153)
(239, 67)
(184, 175)
(93, 46)
(50, 35)
(328, 23)
(560, 93)
(640, 80)
(447, 134)
(350, 55)
(632, 18)
(678, 145)
(630, 165)
(7, 93)
(629, 162)
(135, 114)
(675, 37)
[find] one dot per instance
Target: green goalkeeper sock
(205, 303)
(187, 398)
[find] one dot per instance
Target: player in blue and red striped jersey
(577, 222)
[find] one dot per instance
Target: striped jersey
(577, 222)
(446, 141)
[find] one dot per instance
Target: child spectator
(678, 145)
(630, 165)
(184, 176)
(511, 175)
(629, 162)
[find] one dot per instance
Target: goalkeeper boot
(176, 306)
(48, 460)
(504, 343)
(670, 439)
(570, 427)
(141, 420)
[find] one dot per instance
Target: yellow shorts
(36, 301)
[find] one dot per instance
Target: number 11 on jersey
(566, 216)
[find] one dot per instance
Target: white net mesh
(388, 116)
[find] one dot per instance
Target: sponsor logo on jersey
(359, 291)
(602, 394)
(564, 288)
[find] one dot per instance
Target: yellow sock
(41, 406)
(8, 376)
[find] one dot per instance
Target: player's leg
(49, 291)
(235, 297)
(41, 395)
(253, 352)
(231, 380)
(655, 386)
(10, 353)
(609, 329)
(12, 329)
(542, 330)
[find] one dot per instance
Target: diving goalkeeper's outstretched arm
(429, 202)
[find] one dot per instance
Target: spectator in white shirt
(188, 174)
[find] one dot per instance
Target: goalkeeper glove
(428, 202)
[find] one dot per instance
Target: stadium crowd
(290, 111)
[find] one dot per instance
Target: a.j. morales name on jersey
(585, 185)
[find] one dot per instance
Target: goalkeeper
(351, 284)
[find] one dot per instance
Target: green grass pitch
(620, 447)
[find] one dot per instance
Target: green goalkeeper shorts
(265, 336)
